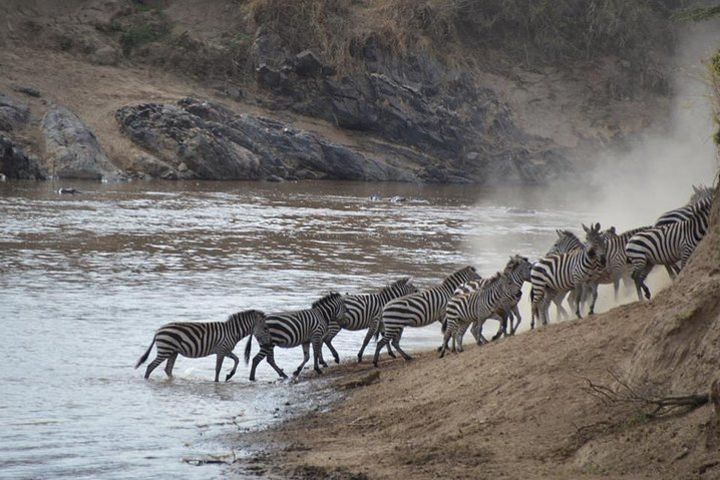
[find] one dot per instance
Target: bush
(138, 35)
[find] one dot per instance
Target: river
(85, 280)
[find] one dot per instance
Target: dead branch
(650, 405)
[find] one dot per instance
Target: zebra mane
(566, 233)
(397, 283)
(244, 314)
(327, 299)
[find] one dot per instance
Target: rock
(72, 149)
(13, 115)
(27, 90)
(307, 64)
(68, 191)
(15, 164)
(105, 55)
(267, 48)
(215, 143)
(268, 77)
(274, 179)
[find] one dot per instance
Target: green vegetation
(147, 30)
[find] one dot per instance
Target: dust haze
(654, 173)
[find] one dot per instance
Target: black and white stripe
(477, 306)
(519, 268)
(556, 274)
(666, 245)
(363, 312)
(567, 242)
(418, 309)
(685, 213)
(196, 340)
(291, 329)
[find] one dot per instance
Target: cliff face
(433, 91)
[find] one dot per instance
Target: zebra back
(425, 306)
(361, 310)
(567, 241)
(290, 329)
(701, 207)
(200, 339)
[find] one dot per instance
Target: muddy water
(85, 279)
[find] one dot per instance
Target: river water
(86, 279)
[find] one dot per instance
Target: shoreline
(516, 408)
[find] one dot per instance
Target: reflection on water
(85, 280)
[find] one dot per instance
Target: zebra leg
(383, 341)
(334, 352)
(271, 361)
(306, 357)
(153, 365)
(170, 364)
(616, 287)
(516, 313)
(264, 349)
(501, 328)
(396, 344)
(234, 369)
(446, 340)
(594, 291)
(368, 336)
(218, 365)
(317, 350)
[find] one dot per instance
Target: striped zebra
(364, 312)
(684, 213)
(291, 329)
(700, 193)
(518, 267)
(618, 267)
(418, 309)
(666, 245)
(556, 274)
(567, 242)
(195, 340)
(477, 306)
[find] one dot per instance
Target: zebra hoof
(359, 359)
(296, 373)
(337, 359)
(282, 375)
(319, 372)
(252, 378)
(392, 355)
(375, 364)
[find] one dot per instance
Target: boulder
(13, 115)
(307, 64)
(72, 149)
(14, 163)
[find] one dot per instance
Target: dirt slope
(518, 408)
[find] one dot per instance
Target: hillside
(521, 408)
(433, 91)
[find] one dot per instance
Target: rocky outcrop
(15, 164)
(13, 114)
(200, 139)
(466, 129)
(72, 150)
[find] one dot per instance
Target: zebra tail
(248, 347)
(145, 355)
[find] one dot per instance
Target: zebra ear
(696, 189)
(585, 228)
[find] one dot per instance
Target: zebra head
(699, 193)
(609, 233)
(331, 306)
(459, 277)
(519, 267)
(566, 242)
(400, 288)
(595, 244)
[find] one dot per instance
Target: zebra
(418, 309)
(666, 245)
(477, 306)
(700, 193)
(195, 340)
(684, 213)
(290, 329)
(519, 268)
(556, 274)
(364, 311)
(567, 242)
